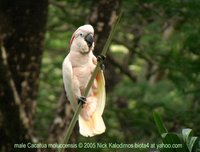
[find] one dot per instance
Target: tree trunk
(22, 30)
(61, 121)
(102, 16)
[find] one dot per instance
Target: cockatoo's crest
(70, 42)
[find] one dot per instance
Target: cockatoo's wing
(96, 124)
(101, 93)
(68, 81)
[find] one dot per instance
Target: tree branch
(60, 6)
(139, 53)
(126, 71)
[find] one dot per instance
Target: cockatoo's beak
(89, 40)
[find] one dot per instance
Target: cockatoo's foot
(101, 59)
(82, 100)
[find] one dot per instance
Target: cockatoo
(78, 67)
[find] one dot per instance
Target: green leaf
(171, 140)
(159, 123)
(191, 142)
(186, 133)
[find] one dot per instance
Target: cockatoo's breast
(83, 75)
(82, 66)
(78, 59)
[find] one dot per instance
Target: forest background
(153, 64)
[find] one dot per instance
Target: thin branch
(192, 91)
(124, 70)
(132, 52)
(139, 53)
(60, 6)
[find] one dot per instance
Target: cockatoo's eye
(81, 34)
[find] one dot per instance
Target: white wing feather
(68, 81)
(96, 124)
(101, 94)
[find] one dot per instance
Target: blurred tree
(22, 30)
(102, 16)
(152, 64)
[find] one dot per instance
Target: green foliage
(50, 88)
(185, 142)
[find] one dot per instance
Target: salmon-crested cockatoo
(78, 67)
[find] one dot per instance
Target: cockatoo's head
(82, 40)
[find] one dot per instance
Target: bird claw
(101, 59)
(82, 100)
(102, 66)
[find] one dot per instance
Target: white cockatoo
(78, 67)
